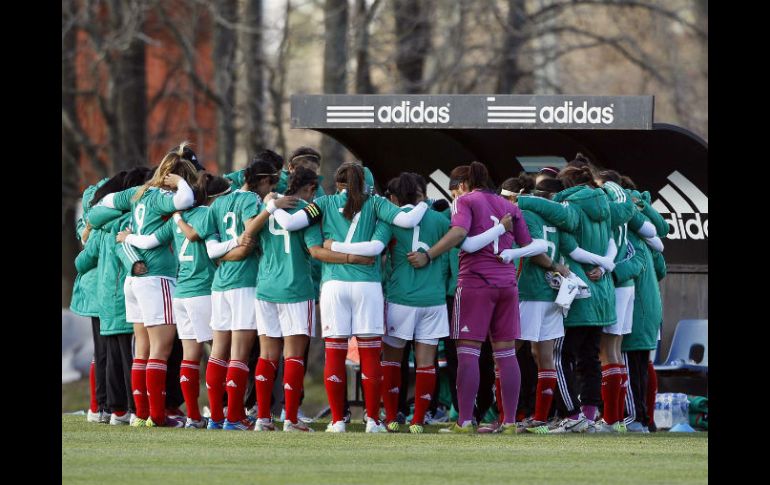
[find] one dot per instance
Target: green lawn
(98, 453)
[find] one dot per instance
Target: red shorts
(482, 312)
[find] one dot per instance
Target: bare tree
(363, 17)
(334, 79)
(255, 67)
(510, 73)
(223, 56)
(413, 32)
(278, 81)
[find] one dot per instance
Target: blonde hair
(174, 163)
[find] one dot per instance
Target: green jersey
(148, 214)
(532, 282)
(362, 228)
(417, 287)
(617, 194)
(285, 271)
(196, 270)
(227, 218)
(236, 179)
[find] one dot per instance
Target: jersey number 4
(279, 232)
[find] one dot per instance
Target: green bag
(699, 412)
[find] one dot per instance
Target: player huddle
(568, 262)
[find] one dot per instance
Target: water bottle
(663, 411)
(679, 409)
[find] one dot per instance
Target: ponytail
(478, 177)
(352, 175)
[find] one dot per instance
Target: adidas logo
(288, 387)
(333, 378)
(688, 220)
(231, 383)
(260, 378)
(426, 397)
(184, 379)
(363, 376)
(137, 392)
(393, 390)
(465, 329)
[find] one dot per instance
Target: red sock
(264, 377)
(293, 377)
(610, 392)
(391, 382)
(371, 373)
(546, 383)
(92, 382)
(621, 413)
(424, 385)
(237, 375)
(335, 376)
(189, 380)
(139, 388)
(652, 390)
(156, 390)
(499, 397)
(216, 371)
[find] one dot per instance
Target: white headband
(508, 193)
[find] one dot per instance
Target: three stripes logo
(510, 114)
(686, 206)
(350, 114)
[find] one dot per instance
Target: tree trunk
(70, 155)
(254, 58)
(223, 56)
(278, 82)
(413, 43)
(335, 79)
(363, 77)
(510, 73)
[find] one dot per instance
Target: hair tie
(508, 193)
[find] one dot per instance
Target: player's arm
(182, 199)
(310, 214)
(149, 241)
(471, 244)
(116, 200)
(255, 224)
(328, 256)
(632, 267)
(660, 265)
(88, 258)
(189, 232)
(655, 243)
(562, 216)
(100, 215)
(534, 248)
(621, 212)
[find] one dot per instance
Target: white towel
(571, 287)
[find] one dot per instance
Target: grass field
(99, 453)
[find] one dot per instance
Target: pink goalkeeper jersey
(476, 212)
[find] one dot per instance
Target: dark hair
(137, 176)
(305, 154)
(209, 185)
(524, 183)
(405, 187)
(572, 176)
(352, 175)
(300, 178)
(550, 186)
(579, 161)
(627, 183)
(114, 184)
(459, 174)
(478, 176)
(258, 169)
(609, 176)
(550, 172)
(271, 157)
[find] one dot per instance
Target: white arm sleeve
(409, 219)
(655, 243)
(290, 222)
(474, 243)
(184, 198)
(612, 250)
(108, 201)
(647, 230)
(537, 246)
(143, 242)
(582, 256)
(218, 249)
(366, 248)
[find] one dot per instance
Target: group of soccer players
(240, 261)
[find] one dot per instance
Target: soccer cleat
(485, 428)
(400, 418)
(264, 424)
(169, 423)
(568, 425)
(137, 422)
(336, 427)
(375, 426)
(601, 426)
(252, 412)
(416, 429)
(196, 423)
(542, 429)
(456, 428)
(305, 419)
(175, 413)
(508, 428)
(346, 418)
(393, 427)
(243, 425)
(620, 427)
(440, 417)
(532, 423)
(637, 427)
(104, 417)
(116, 420)
(298, 427)
(215, 424)
(93, 417)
